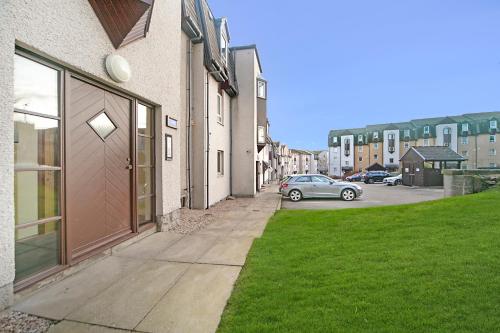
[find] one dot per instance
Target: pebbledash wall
(70, 34)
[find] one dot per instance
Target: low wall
(460, 182)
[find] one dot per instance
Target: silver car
(298, 187)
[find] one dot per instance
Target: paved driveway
(373, 195)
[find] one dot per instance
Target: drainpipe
(189, 112)
(207, 119)
(231, 146)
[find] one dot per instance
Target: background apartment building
(474, 136)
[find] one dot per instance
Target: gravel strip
(18, 322)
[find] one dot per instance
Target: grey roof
(433, 153)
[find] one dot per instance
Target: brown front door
(98, 168)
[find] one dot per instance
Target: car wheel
(398, 182)
(295, 195)
(371, 181)
(348, 195)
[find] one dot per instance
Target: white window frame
(406, 133)
(360, 149)
(494, 137)
(224, 47)
(407, 145)
(261, 89)
(465, 127)
(335, 139)
(375, 146)
(493, 165)
(375, 157)
(220, 162)
(220, 109)
(360, 138)
(492, 152)
(427, 129)
(465, 140)
(493, 124)
(427, 143)
(375, 135)
(261, 135)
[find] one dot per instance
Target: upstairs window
(493, 138)
(465, 127)
(261, 137)
(427, 129)
(375, 135)
(407, 133)
(220, 110)
(447, 136)
(392, 143)
(426, 142)
(261, 89)
(224, 50)
(360, 149)
(347, 147)
(375, 146)
(493, 124)
(360, 138)
(492, 152)
(335, 140)
(465, 140)
(407, 145)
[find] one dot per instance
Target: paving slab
(150, 246)
(127, 302)
(74, 327)
(63, 297)
(228, 251)
(188, 249)
(195, 303)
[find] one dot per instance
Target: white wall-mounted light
(118, 68)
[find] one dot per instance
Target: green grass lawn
(428, 267)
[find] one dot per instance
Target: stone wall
(461, 182)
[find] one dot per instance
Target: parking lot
(373, 195)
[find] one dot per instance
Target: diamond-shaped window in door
(102, 125)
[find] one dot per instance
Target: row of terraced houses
(473, 135)
(115, 115)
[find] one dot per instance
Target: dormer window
(360, 138)
(427, 129)
(335, 140)
(375, 135)
(407, 133)
(493, 124)
(261, 89)
(465, 127)
(224, 49)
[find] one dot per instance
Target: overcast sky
(337, 64)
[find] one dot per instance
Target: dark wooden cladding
(124, 20)
(99, 205)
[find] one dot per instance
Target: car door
(303, 183)
(325, 187)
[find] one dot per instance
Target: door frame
(99, 247)
(65, 74)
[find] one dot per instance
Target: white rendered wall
(454, 135)
(387, 154)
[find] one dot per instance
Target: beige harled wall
(69, 33)
(244, 111)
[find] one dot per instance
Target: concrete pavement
(166, 282)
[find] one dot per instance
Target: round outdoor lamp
(118, 68)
